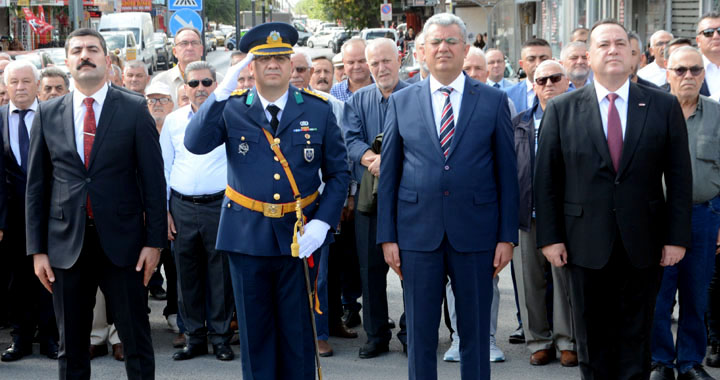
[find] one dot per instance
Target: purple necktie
(614, 132)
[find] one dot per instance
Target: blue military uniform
(274, 319)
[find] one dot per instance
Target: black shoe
(695, 373)
(713, 358)
(517, 337)
(223, 352)
(158, 293)
(391, 323)
(49, 349)
(15, 352)
(660, 372)
(371, 350)
(190, 351)
(351, 318)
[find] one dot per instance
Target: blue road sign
(193, 5)
(183, 18)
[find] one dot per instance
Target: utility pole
(252, 6)
(263, 11)
(237, 24)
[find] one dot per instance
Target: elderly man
(135, 76)
(532, 53)
(496, 69)
(53, 83)
(575, 61)
(195, 193)
(475, 65)
(364, 116)
(541, 339)
(447, 199)
(656, 71)
(181, 96)
(419, 54)
(160, 104)
(322, 74)
(355, 67)
(31, 307)
(691, 277)
(580, 35)
(708, 41)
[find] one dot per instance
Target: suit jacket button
(447, 167)
(276, 197)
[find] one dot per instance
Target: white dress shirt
(653, 73)
(530, 93)
(14, 120)
(712, 78)
(621, 104)
(280, 103)
(438, 98)
(79, 115)
(185, 172)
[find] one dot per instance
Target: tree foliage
(314, 9)
(223, 11)
(353, 14)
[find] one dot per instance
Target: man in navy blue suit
(447, 199)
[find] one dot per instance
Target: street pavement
(345, 364)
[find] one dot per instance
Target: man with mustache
(574, 59)
(98, 147)
(322, 76)
(53, 83)
(195, 192)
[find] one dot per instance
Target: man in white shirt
(655, 72)
(708, 41)
(195, 190)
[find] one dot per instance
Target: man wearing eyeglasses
(447, 199)
(159, 102)
(602, 210)
(529, 266)
(691, 277)
(276, 138)
(655, 71)
(195, 191)
(708, 41)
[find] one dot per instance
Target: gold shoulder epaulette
(305, 90)
(238, 92)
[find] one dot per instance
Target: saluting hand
(149, 259)
(391, 251)
(43, 270)
(556, 254)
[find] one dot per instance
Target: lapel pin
(641, 104)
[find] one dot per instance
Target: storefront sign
(136, 6)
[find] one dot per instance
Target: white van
(140, 23)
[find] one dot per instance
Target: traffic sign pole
(386, 21)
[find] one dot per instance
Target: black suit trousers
(613, 310)
(126, 296)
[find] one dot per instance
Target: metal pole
(271, 9)
(75, 12)
(263, 11)
(386, 22)
(252, 9)
(237, 24)
(204, 21)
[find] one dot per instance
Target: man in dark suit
(447, 199)
(96, 208)
(603, 152)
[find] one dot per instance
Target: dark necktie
(614, 132)
(23, 139)
(274, 111)
(88, 139)
(496, 85)
(447, 122)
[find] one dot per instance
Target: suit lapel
(590, 111)
(470, 99)
(106, 115)
(6, 130)
(634, 125)
(291, 112)
(256, 112)
(66, 112)
(424, 99)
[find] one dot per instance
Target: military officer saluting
(277, 138)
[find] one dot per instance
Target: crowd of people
(596, 177)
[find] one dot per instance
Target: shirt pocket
(708, 149)
(244, 145)
(308, 145)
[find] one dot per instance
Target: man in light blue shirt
(496, 69)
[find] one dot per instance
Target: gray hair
(303, 54)
(352, 41)
(15, 65)
(117, 70)
(657, 35)
(476, 52)
(566, 50)
(135, 64)
(550, 62)
(199, 65)
(55, 72)
(378, 42)
(684, 49)
(634, 36)
(447, 19)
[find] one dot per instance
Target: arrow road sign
(184, 18)
(193, 5)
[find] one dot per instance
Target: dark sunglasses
(553, 78)
(681, 70)
(708, 33)
(300, 69)
(207, 82)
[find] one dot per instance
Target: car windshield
(116, 41)
(378, 34)
(33, 58)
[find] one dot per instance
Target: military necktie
(614, 132)
(496, 85)
(89, 129)
(274, 122)
(23, 139)
(447, 122)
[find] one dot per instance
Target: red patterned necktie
(447, 122)
(614, 132)
(88, 139)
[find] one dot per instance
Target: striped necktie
(447, 122)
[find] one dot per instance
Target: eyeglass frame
(196, 82)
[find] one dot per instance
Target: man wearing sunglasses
(276, 139)
(655, 71)
(691, 277)
(534, 51)
(601, 207)
(195, 192)
(708, 41)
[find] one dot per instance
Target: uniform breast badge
(243, 148)
(309, 154)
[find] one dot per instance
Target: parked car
(339, 39)
(219, 38)
(303, 33)
(230, 43)
(163, 47)
(57, 55)
(321, 38)
(372, 33)
(122, 43)
(210, 42)
(38, 58)
(409, 67)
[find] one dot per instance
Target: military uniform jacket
(310, 141)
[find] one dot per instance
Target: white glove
(229, 83)
(313, 238)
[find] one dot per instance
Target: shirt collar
(98, 96)
(188, 111)
(528, 85)
(707, 64)
(33, 107)
(457, 85)
(280, 103)
(623, 92)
